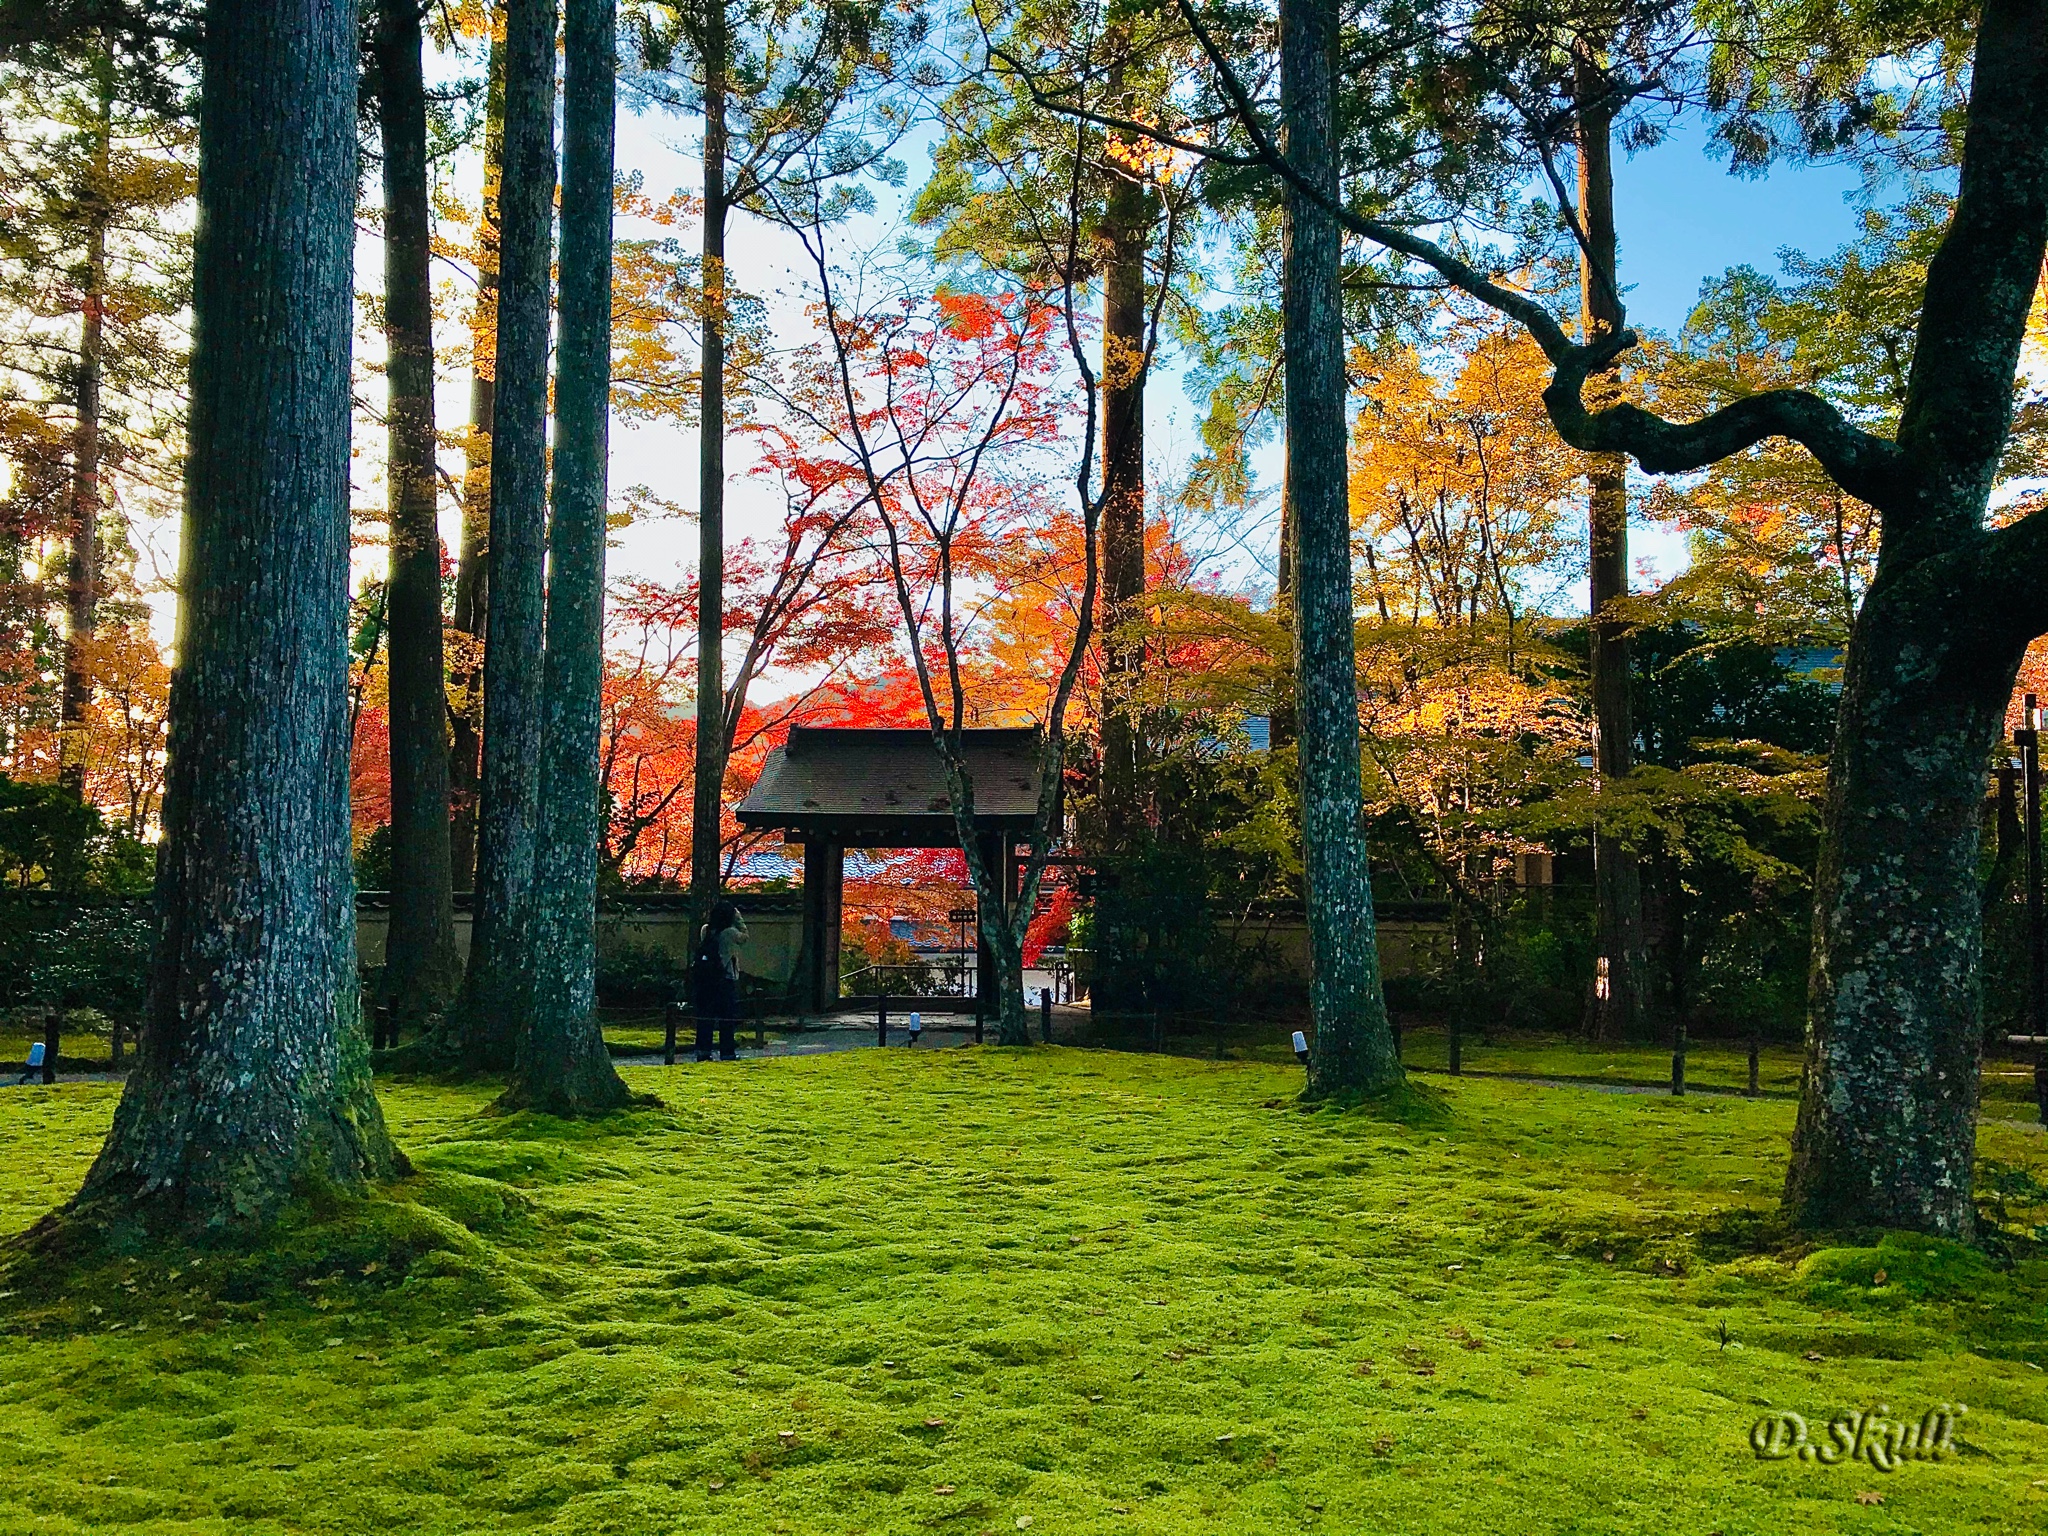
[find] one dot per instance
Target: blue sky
(1683, 218)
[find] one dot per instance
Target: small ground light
(1301, 1047)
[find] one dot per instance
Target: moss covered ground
(1057, 1290)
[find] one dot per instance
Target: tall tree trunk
(252, 1076)
(81, 606)
(1354, 1044)
(422, 969)
(495, 986)
(1887, 1116)
(562, 1065)
(1621, 996)
(1129, 219)
(472, 594)
(707, 796)
(1887, 1109)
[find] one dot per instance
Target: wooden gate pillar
(824, 889)
(998, 858)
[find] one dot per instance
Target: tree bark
(472, 594)
(1128, 218)
(562, 1065)
(1887, 1117)
(1354, 1043)
(998, 931)
(252, 1077)
(1621, 997)
(495, 986)
(81, 605)
(422, 968)
(707, 799)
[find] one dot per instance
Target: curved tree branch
(1865, 465)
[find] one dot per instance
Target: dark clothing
(717, 983)
(718, 1005)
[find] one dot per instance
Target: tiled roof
(851, 782)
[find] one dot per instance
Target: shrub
(639, 975)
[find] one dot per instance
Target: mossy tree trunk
(707, 792)
(1887, 1122)
(1620, 1005)
(1128, 219)
(1354, 1043)
(422, 969)
(562, 1066)
(252, 1075)
(495, 986)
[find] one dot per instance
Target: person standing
(717, 979)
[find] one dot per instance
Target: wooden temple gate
(831, 788)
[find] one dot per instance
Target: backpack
(707, 975)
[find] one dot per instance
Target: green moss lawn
(1058, 1290)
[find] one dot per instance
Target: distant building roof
(886, 787)
(774, 864)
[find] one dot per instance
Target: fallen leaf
(1609, 1257)
(934, 1423)
(1225, 1439)
(1023, 1522)
(1564, 1343)
(1879, 1278)
(714, 1485)
(1814, 1355)
(1867, 1496)
(943, 1488)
